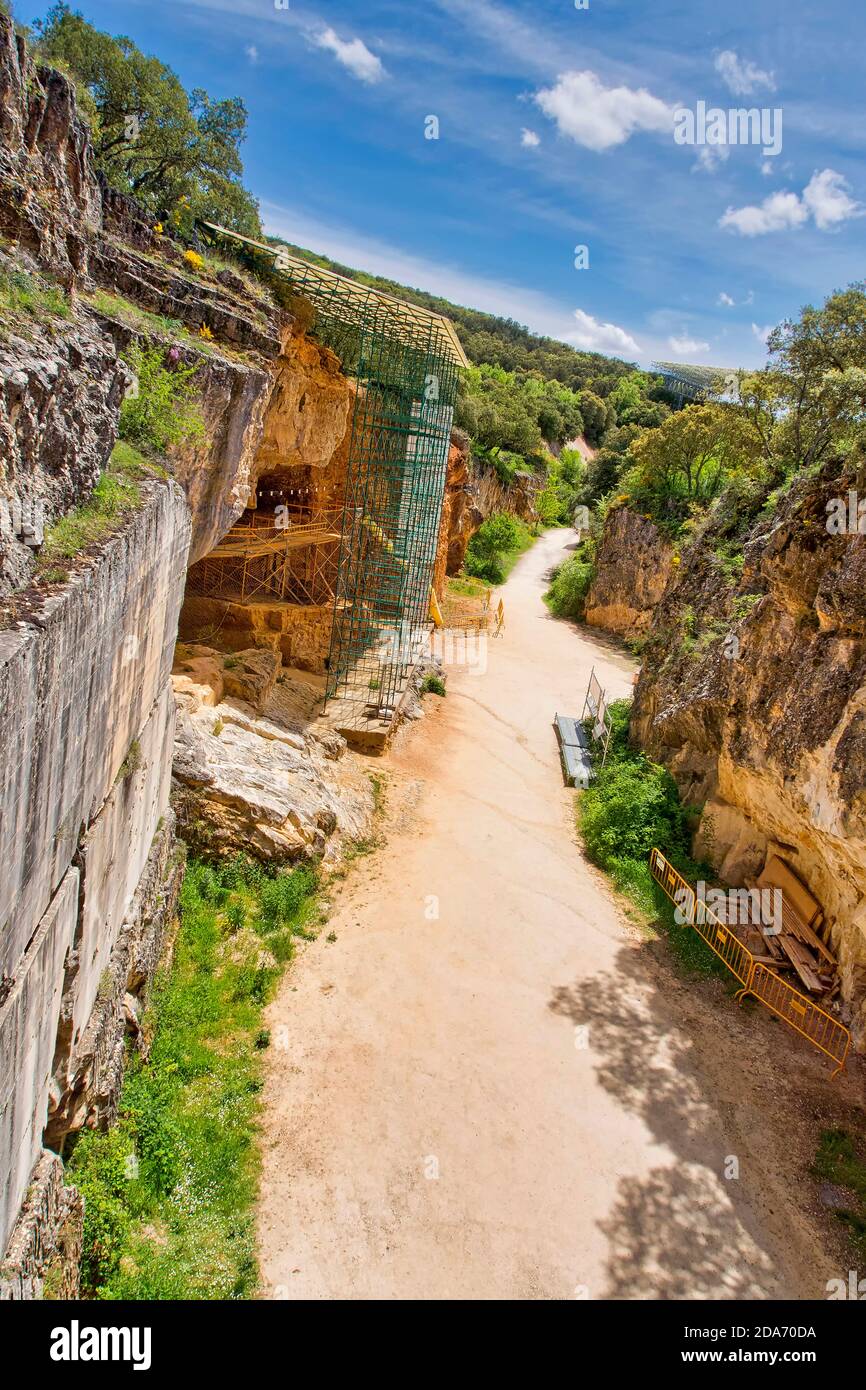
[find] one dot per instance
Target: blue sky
(555, 129)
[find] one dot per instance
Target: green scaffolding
(406, 361)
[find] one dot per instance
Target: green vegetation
(112, 499)
(176, 152)
(161, 410)
(569, 584)
(23, 293)
(433, 685)
(495, 547)
(131, 763)
(838, 1161)
(632, 805)
(169, 1189)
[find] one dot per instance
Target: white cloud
(689, 347)
(593, 336)
(353, 54)
(529, 138)
(600, 117)
(762, 334)
(776, 213)
(710, 157)
(825, 198)
(726, 300)
(741, 76)
(252, 53)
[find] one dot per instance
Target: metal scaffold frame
(406, 361)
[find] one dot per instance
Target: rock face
(86, 724)
(454, 531)
(255, 773)
(308, 410)
(634, 565)
(49, 196)
(753, 693)
(61, 386)
(471, 495)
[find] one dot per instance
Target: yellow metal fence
(801, 1013)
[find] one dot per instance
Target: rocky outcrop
(44, 1253)
(633, 566)
(308, 410)
(455, 523)
(50, 203)
(256, 773)
(473, 493)
(61, 386)
(753, 693)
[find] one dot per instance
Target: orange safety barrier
(813, 1023)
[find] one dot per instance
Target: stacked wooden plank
(793, 943)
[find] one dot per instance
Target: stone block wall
(86, 840)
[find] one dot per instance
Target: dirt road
(483, 1088)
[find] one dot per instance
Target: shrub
(162, 411)
(569, 586)
(433, 685)
(497, 539)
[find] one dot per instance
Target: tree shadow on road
(682, 1231)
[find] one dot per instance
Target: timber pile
(798, 946)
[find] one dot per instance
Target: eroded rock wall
(634, 564)
(753, 693)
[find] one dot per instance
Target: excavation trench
(483, 1083)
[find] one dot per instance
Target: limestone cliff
(753, 693)
(473, 493)
(633, 565)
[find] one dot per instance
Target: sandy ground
(489, 1086)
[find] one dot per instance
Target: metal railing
(801, 1013)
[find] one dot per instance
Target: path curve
(480, 1090)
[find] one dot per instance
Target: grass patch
(464, 586)
(112, 499)
(839, 1162)
(169, 1189)
(22, 293)
(433, 685)
(163, 409)
(632, 805)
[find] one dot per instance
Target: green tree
(151, 138)
(692, 453)
(594, 412)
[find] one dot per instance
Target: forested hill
(487, 338)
